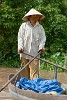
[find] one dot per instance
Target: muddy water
(4, 73)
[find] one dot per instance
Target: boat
(22, 94)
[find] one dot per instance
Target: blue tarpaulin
(40, 85)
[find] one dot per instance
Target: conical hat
(32, 12)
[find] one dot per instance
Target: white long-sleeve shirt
(31, 39)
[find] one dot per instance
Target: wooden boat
(21, 94)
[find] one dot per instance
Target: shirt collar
(37, 23)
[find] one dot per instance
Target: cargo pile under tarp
(40, 85)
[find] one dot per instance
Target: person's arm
(20, 39)
(42, 40)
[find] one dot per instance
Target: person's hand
(20, 50)
(42, 50)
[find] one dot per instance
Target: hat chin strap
(32, 22)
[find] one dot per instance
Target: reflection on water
(4, 73)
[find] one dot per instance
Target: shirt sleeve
(21, 37)
(42, 38)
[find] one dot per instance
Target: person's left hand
(42, 50)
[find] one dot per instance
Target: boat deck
(5, 96)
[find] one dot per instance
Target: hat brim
(26, 18)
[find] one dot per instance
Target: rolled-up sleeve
(42, 38)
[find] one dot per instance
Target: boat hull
(22, 94)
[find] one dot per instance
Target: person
(31, 39)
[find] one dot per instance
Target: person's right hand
(20, 50)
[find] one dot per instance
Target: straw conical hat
(32, 12)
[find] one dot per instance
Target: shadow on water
(4, 73)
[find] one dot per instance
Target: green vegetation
(54, 23)
(57, 58)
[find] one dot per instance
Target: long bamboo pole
(46, 61)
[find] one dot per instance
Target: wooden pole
(65, 62)
(46, 61)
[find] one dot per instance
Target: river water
(5, 72)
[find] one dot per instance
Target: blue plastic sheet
(40, 85)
